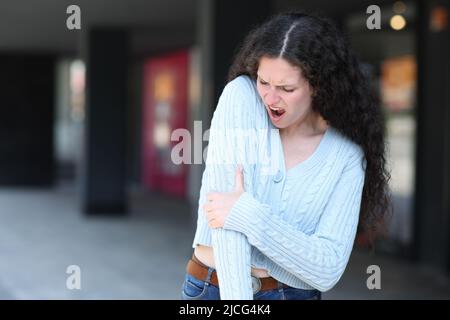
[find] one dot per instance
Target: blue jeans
(195, 289)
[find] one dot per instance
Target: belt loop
(280, 285)
(208, 277)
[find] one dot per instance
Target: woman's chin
(278, 125)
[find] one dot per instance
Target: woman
(284, 228)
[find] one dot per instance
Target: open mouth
(276, 113)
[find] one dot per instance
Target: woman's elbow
(327, 284)
(327, 278)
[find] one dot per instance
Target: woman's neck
(311, 126)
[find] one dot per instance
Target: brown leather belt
(199, 270)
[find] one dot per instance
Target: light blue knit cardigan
(298, 224)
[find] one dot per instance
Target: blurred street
(142, 256)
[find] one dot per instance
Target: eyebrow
(280, 85)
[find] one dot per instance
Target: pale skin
(281, 86)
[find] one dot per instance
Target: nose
(271, 98)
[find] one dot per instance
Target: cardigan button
(278, 177)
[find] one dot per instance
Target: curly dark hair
(341, 94)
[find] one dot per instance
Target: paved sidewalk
(141, 256)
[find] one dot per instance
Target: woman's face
(284, 91)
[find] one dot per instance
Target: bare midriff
(206, 256)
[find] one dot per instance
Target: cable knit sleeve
(226, 150)
(319, 259)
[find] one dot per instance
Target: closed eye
(264, 83)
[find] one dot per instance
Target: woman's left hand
(219, 204)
